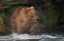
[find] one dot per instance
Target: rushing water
(26, 37)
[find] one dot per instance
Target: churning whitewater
(43, 37)
(26, 36)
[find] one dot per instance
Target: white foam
(26, 36)
(48, 36)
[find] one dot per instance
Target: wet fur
(21, 21)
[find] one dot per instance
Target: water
(26, 37)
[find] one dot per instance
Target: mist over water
(27, 37)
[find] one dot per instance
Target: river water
(26, 37)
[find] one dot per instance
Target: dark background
(51, 14)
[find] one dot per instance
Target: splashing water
(27, 37)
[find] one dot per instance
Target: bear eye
(31, 16)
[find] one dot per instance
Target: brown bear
(25, 20)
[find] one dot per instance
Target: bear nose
(37, 19)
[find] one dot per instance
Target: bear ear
(32, 7)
